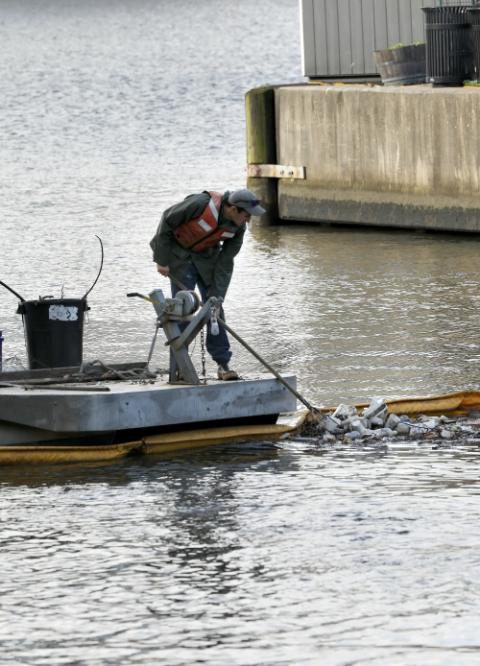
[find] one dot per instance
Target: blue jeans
(218, 346)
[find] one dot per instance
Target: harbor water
(248, 554)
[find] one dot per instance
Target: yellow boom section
(451, 404)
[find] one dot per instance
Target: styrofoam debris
(329, 438)
(343, 412)
(332, 424)
(446, 434)
(357, 426)
(403, 428)
(353, 434)
(377, 407)
(375, 423)
(416, 432)
(430, 422)
(392, 421)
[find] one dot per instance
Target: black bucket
(54, 331)
(448, 44)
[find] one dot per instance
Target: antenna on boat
(99, 270)
(13, 291)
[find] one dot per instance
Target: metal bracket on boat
(180, 324)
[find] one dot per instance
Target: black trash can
(448, 44)
(54, 331)
(474, 15)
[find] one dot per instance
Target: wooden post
(262, 147)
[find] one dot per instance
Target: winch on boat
(181, 318)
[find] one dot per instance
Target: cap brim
(255, 210)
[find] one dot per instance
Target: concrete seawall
(406, 156)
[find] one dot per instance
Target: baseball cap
(246, 200)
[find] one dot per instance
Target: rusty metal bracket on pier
(276, 171)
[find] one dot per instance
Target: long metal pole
(254, 353)
(267, 365)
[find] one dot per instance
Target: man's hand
(163, 270)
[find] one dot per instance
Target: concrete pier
(262, 147)
(406, 156)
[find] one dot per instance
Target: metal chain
(203, 354)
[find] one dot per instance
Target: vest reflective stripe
(212, 205)
(205, 226)
(211, 240)
(203, 231)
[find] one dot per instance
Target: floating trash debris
(348, 424)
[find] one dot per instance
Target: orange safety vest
(203, 231)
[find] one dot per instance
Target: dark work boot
(225, 374)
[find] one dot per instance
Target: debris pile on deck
(375, 423)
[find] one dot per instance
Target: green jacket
(215, 265)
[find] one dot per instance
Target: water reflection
(241, 549)
(365, 313)
(133, 469)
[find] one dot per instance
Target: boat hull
(45, 421)
(122, 406)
